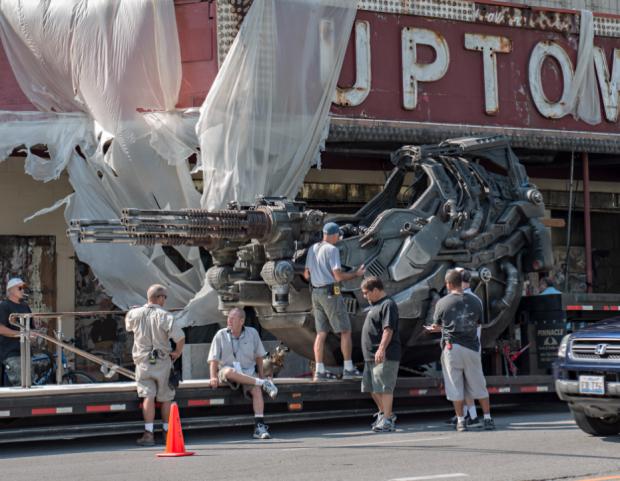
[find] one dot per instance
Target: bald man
(153, 327)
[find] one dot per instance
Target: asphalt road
(540, 443)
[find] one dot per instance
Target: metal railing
(26, 335)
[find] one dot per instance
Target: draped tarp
(106, 77)
(265, 116)
(583, 96)
(107, 60)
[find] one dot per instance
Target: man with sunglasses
(153, 327)
(9, 335)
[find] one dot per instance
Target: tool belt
(330, 289)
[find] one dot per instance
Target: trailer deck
(70, 411)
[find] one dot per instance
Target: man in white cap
(9, 335)
(324, 271)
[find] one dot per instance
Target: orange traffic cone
(175, 446)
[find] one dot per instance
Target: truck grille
(595, 349)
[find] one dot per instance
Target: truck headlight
(563, 346)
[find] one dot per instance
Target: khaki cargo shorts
(462, 374)
(221, 378)
(152, 380)
(329, 311)
(380, 378)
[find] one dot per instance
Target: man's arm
(5, 330)
(347, 276)
(436, 326)
(174, 355)
(386, 337)
(307, 274)
(8, 332)
(213, 366)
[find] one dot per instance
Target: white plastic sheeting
(106, 60)
(583, 97)
(260, 128)
(264, 118)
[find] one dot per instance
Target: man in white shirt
(236, 359)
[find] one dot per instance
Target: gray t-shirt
(321, 260)
(459, 316)
(227, 349)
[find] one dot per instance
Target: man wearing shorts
(382, 351)
(457, 316)
(471, 415)
(324, 271)
(236, 359)
(152, 328)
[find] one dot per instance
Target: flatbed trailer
(82, 410)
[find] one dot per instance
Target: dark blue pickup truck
(587, 376)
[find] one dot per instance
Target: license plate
(592, 385)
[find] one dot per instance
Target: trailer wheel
(597, 426)
(77, 377)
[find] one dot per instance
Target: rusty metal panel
(33, 258)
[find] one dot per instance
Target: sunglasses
(163, 295)
(21, 288)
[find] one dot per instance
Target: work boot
(147, 439)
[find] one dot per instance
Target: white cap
(14, 282)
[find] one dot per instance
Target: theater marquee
(464, 67)
(422, 70)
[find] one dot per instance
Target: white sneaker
(270, 389)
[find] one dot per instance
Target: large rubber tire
(77, 377)
(597, 426)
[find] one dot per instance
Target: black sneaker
(351, 374)
(324, 376)
(489, 424)
(261, 431)
(473, 423)
(453, 419)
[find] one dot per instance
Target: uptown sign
(450, 71)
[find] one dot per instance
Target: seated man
(235, 357)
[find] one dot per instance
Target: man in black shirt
(9, 335)
(382, 351)
(457, 316)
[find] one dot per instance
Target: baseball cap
(13, 282)
(331, 228)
